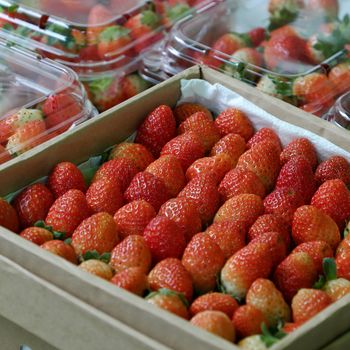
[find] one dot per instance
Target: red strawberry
(234, 121)
(132, 218)
(65, 176)
(203, 259)
(139, 155)
(290, 327)
(333, 198)
(335, 167)
(342, 259)
(4, 155)
(171, 274)
(37, 235)
(280, 5)
(67, 212)
(265, 134)
(33, 204)
(184, 213)
(131, 252)
(97, 15)
(329, 8)
(257, 35)
(339, 76)
(186, 147)
(185, 110)
(164, 238)
(157, 129)
(132, 279)
(62, 249)
(8, 216)
(240, 181)
(98, 232)
(145, 186)
(133, 85)
(98, 268)
(228, 43)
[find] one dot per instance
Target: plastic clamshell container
(339, 114)
(297, 52)
(39, 99)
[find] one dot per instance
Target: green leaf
(105, 257)
(329, 269)
(59, 235)
(12, 8)
(282, 17)
(150, 19)
(88, 174)
(113, 33)
(91, 254)
(273, 335)
(68, 241)
(41, 223)
(177, 11)
(320, 282)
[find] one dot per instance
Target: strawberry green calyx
(93, 254)
(169, 292)
(273, 335)
(284, 15)
(99, 86)
(68, 42)
(113, 33)
(223, 290)
(56, 234)
(329, 269)
(150, 19)
(177, 11)
(12, 8)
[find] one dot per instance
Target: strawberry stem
(56, 234)
(329, 269)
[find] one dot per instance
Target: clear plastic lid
(292, 49)
(39, 99)
(339, 114)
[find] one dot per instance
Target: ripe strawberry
(311, 224)
(139, 155)
(132, 279)
(329, 8)
(203, 259)
(133, 84)
(120, 170)
(229, 236)
(335, 167)
(202, 190)
(4, 155)
(215, 322)
(214, 301)
(171, 274)
(157, 129)
(342, 259)
(164, 238)
(65, 176)
(228, 43)
(233, 120)
(184, 213)
(186, 109)
(299, 147)
(186, 147)
(265, 134)
(36, 235)
(131, 252)
(170, 301)
(168, 169)
(239, 181)
(257, 36)
(333, 198)
(283, 202)
(280, 5)
(98, 232)
(98, 14)
(67, 212)
(243, 209)
(62, 249)
(290, 327)
(244, 267)
(202, 125)
(339, 76)
(97, 268)
(147, 187)
(296, 271)
(132, 218)
(231, 144)
(264, 296)
(309, 302)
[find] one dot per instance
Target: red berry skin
(342, 259)
(36, 235)
(164, 238)
(61, 249)
(8, 216)
(33, 204)
(265, 134)
(335, 167)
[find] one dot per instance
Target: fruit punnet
(235, 244)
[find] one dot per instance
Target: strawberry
(171, 274)
(131, 252)
(307, 303)
(264, 296)
(296, 271)
(314, 52)
(138, 154)
(133, 84)
(164, 238)
(243, 209)
(202, 125)
(283, 202)
(342, 259)
(97, 268)
(239, 181)
(120, 170)
(215, 322)
(62, 249)
(37, 235)
(147, 187)
(265, 134)
(132, 218)
(233, 120)
(280, 5)
(132, 279)
(229, 236)
(168, 169)
(65, 176)
(214, 301)
(311, 224)
(244, 267)
(335, 167)
(98, 14)
(33, 204)
(202, 190)
(184, 213)
(173, 12)
(231, 144)
(257, 35)
(290, 327)
(203, 259)
(158, 128)
(339, 76)
(186, 147)
(228, 43)
(329, 8)
(333, 198)
(98, 232)
(186, 109)
(4, 155)
(253, 342)
(67, 212)
(170, 301)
